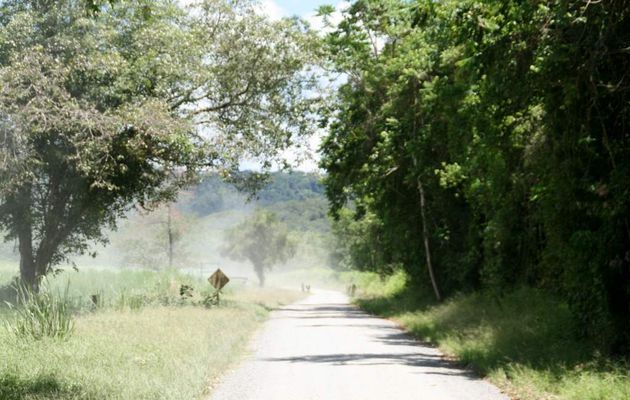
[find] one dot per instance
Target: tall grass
(371, 285)
(115, 289)
(40, 315)
(152, 353)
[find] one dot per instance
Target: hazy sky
(276, 9)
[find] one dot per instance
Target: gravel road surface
(323, 348)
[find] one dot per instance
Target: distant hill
(294, 186)
(296, 197)
(206, 211)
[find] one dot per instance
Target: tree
(262, 240)
(497, 132)
(102, 107)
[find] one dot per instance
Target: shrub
(43, 314)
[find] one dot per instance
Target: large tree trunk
(427, 247)
(35, 262)
(23, 222)
(28, 270)
(260, 272)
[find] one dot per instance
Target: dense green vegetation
(524, 343)
(477, 165)
(488, 142)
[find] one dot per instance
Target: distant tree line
(297, 198)
(486, 145)
(213, 193)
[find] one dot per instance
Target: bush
(43, 314)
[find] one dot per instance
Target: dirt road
(322, 348)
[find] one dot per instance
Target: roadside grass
(163, 347)
(155, 353)
(118, 289)
(525, 341)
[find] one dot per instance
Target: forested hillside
(486, 146)
(297, 198)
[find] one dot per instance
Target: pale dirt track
(322, 348)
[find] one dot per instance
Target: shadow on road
(405, 350)
(325, 311)
(435, 364)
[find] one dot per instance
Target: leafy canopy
(108, 104)
(514, 115)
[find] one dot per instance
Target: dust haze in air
(190, 234)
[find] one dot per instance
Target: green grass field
(140, 343)
(524, 342)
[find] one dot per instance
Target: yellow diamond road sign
(218, 279)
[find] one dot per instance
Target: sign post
(218, 279)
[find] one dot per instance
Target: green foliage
(293, 186)
(211, 195)
(117, 290)
(81, 146)
(359, 243)
(41, 315)
(371, 285)
(211, 300)
(308, 215)
(514, 117)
